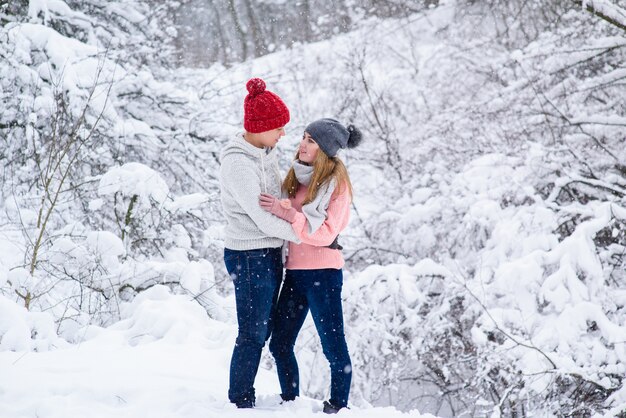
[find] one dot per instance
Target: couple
(259, 222)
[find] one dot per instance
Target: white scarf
(315, 211)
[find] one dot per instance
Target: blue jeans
(320, 292)
(256, 276)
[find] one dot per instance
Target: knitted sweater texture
(245, 172)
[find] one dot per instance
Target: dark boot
(329, 408)
(245, 404)
(286, 399)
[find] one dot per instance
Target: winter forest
(485, 257)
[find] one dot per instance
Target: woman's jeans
(320, 292)
(256, 275)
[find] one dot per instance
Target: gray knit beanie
(331, 135)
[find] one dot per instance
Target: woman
(254, 238)
(318, 209)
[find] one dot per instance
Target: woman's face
(307, 153)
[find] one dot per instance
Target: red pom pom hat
(262, 109)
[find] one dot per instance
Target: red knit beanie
(262, 109)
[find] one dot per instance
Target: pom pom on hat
(255, 86)
(355, 136)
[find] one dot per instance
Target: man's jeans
(256, 275)
(319, 291)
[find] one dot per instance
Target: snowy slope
(165, 358)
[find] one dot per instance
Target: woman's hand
(280, 208)
(285, 203)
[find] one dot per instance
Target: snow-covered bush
(136, 194)
(66, 128)
(21, 330)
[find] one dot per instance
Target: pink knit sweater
(312, 253)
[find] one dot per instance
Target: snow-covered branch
(606, 10)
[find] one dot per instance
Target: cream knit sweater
(245, 172)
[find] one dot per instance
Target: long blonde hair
(325, 169)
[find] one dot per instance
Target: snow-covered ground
(165, 358)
